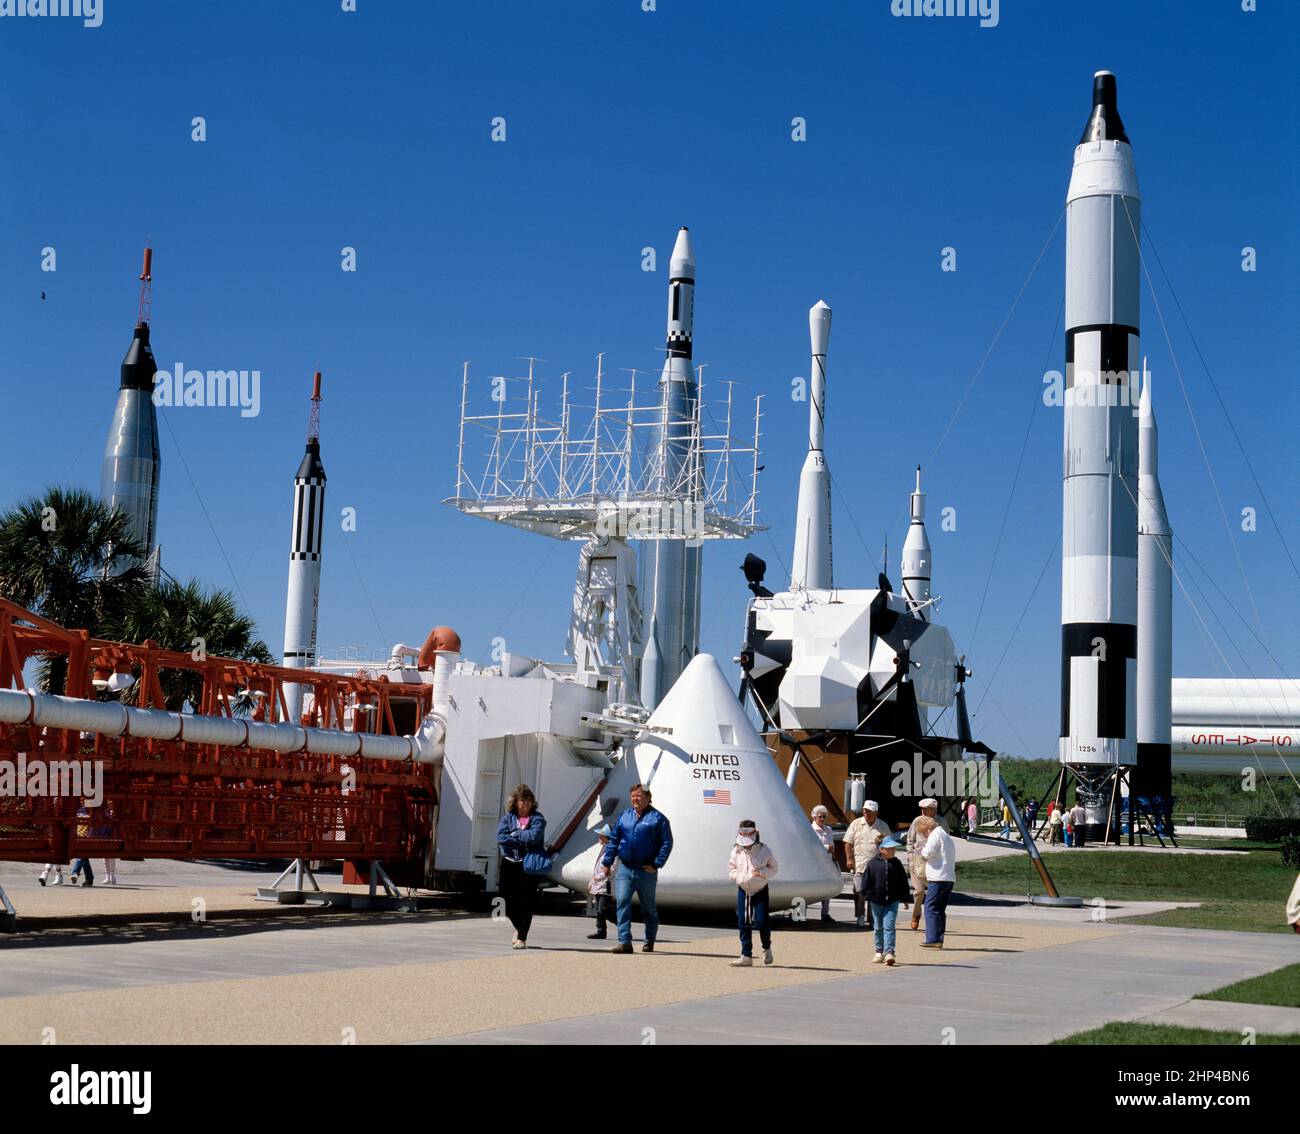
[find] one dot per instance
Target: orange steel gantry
(183, 800)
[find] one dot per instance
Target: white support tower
(593, 478)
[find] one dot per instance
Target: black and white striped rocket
(132, 461)
(1100, 531)
(1155, 666)
(670, 568)
(303, 599)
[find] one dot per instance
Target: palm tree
(186, 617)
(72, 560)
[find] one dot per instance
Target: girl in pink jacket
(751, 865)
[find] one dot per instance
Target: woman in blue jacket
(522, 830)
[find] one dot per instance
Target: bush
(1271, 828)
(1291, 851)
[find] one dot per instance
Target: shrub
(1271, 828)
(1291, 851)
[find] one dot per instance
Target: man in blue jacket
(642, 842)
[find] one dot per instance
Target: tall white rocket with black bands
(303, 598)
(811, 564)
(670, 568)
(1099, 537)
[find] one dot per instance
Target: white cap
(871, 805)
(928, 802)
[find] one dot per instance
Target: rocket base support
(8, 915)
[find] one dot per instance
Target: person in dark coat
(885, 885)
(522, 830)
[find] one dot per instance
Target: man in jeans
(641, 843)
(940, 877)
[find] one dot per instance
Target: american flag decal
(716, 795)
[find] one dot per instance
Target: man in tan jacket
(862, 844)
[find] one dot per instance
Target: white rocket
(303, 599)
(916, 557)
(811, 564)
(1099, 538)
(1155, 644)
(132, 462)
(671, 567)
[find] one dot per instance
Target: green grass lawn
(1155, 1035)
(1280, 987)
(1242, 891)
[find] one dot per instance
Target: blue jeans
(936, 910)
(81, 865)
(884, 919)
(758, 906)
(628, 881)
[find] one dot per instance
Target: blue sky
(372, 129)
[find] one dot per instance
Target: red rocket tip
(146, 272)
(315, 388)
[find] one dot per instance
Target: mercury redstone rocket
(132, 461)
(671, 567)
(303, 599)
(1155, 642)
(811, 565)
(1100, 531)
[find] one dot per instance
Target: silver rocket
(303, 598)
(810, 567)
(916, 556)
(129, 478)
(1155, 634)
(1099, 537)
(670, 579)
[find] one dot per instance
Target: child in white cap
(885, 883)
(751, 865)
(598, 888)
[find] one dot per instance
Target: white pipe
(443, 663)
(112, 718)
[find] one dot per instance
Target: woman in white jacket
(751, 865)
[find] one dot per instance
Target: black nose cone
(1104, 122)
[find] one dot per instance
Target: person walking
(1005, 833)
(600, 888)
(110, 872)
(57, 867)
(917, 835)
(826, 836)
(886, 888)
(940, 856)
(81, 866)
(641, 843)
(972, 817)
(861, 845)
(751, 866)
(521, 831)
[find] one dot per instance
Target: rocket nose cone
(1104, 123)
(683, 254)
(138, 367)
(819, 326)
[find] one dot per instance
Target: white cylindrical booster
(1100, 481)
(1155, 641)
(811, 565)
(671, 567)
(302, 601)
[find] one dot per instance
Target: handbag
(538, 862)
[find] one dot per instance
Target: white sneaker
(889, 959)
(768, 959)
(514, 938)
(112, 880)
(519, 945)
(57, 880)
(742, 962)
(877, 958)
